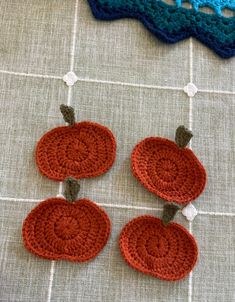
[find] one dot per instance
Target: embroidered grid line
(191, 60)
(74, 33)
(115, 83)
(190, 281)
(190, 147)
(52, 272)
(119, 206)
(32, 75)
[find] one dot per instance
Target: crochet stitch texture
(216, 5)
(172, 23)
(172, 173)
(86, 149)
(165, 252)
(57, 229)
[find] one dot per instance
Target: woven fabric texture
(133, 84)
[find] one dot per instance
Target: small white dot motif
(60, 196)
(190, 89)
(190, 212)
(70, 78)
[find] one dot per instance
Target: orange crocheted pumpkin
(75, 230)
(167, 252)
(169, 169)
(81, 150)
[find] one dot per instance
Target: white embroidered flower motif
(190, 212)
(190, 89)
(70, 78)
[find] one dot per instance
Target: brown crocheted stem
(182, 136)
(68, 114)
(169, 211)
(72, 188)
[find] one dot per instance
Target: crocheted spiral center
(77, 151)
(157, 246)
(167, 253)
(67, 227)
(166, 169)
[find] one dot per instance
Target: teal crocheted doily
(172, 23)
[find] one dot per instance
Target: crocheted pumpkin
(81, 150)
(161, 249)
(58, 228)
(169, 169)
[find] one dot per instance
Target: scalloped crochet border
(217, 32)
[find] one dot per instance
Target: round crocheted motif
(57, 229)
(85, 149)
(165, 252)
(172, 173)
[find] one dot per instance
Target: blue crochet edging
(217, 32)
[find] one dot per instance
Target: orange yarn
(57, 229)
(172, 173)
(86, 149)
(165, 252)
